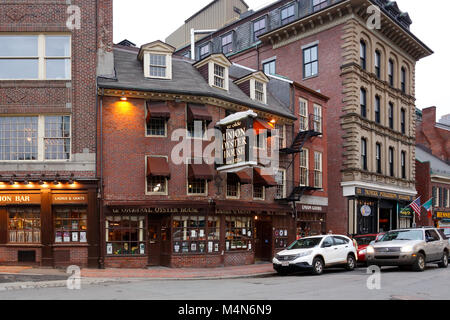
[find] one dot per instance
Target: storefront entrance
(388, 216)
(263, 240)
(154, 242)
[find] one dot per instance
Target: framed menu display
(74, 236)
(66, 236)
(58, 237)
(83, 237)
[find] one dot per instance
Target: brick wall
(77, 256)
(9, 255)
(126, 262)
(435, 139)
(423, 186)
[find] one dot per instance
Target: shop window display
(24, 225)
(239, 233)
(70, 225)
(195, 234)
(125, 235)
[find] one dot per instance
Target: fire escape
(309, 180)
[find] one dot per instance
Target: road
(333, 284)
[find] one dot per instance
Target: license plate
(285, 264)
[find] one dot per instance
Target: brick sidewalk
(152, 273)
(185, 273)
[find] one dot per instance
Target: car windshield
(363, 241)
(305, 243)
(447, 232)
(402, 235)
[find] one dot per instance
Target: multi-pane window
(377, 109)
(259, 27)
(70, 224)
(310, 62)
(378, 64)
(403, 164)
(303, 115)
(57, 138)
(317, 121)
(156, 127)
(259, 91)
(219, 76)
(35, 57)
(158, 66)
(233, 188)
(378, 158)
(391, 162)
(304, 159)
(227, 43)
(364, 154)
(280, 178)
(258, 192)
(281, 135)
(363, 102)
(196, 186)
(391, 115)
(19, 138)
(204, 51)
(190, 234)
(391, 72)
(238, 233)
(363, 54)
(288, 14)
(157, 184)
(319, 4)
(317, 170)
(403, 120)
(24, 224)
(403, 80)
(125, 235)
(270, 67)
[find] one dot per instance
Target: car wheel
(444, 261)
(351, 263)
(318, 266)
(419, 265)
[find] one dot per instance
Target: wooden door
(263, 241)
(154, 243)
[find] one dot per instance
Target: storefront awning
(200, 172)
(263, 180)
(157, 167)
(157, 110)
(198, 112)
(261, 125)
(240, 176)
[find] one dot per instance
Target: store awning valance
(200, 172)
(263, 180)
(198, 112)
(261, 125)
(157, 167)
(157, 110)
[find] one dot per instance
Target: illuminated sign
(383, 195)
(8, 199)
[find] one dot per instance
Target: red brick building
(367, 72)
(165, 205)
(433, 167)
(48, 180)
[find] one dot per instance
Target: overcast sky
(143, 21)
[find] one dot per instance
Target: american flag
(415, 205)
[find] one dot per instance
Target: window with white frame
(156, 184)
(304, 159)
(227, 43)
(259, 27)
(303, 114)
(281, 135)
(260, 92)
(196, 186)
(270, 67)
(204, 51)
(32, 138)
(158, 65)
(288, 14)
(280, 178)
(233, 187)
(219, 76)
(157, 127)
(310, 62)
(317, 169)
(35, 57)
(317, 118)
(258, 192)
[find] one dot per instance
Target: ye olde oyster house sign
(235, 146)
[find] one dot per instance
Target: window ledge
(24, 245)
(63, 245)
(311, 77)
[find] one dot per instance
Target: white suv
(316, 253)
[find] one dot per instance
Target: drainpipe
(102, 215)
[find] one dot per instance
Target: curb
(49, 284)
(258, 275)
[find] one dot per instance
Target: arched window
(363, 102)
(378, 64)
(364, 154)
(391, 72)
(403, 80)
(363, 54)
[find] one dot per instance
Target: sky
(143, 21)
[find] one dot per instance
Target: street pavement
(334, 284)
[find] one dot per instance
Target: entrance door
(263, 241)
(154, 243)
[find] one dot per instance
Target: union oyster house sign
(235, 141)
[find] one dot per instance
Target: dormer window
(214, 69)
(255, 86)
(157, 60)
(158, 66)
(259, 91)
(219, 76)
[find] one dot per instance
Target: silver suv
(410, 247)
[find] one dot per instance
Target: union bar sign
(8, 199)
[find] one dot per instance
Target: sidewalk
(254, 270)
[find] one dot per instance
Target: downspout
(102, 215)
